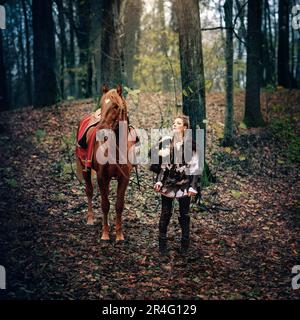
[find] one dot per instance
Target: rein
(104, 124)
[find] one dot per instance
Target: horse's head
(113, 107)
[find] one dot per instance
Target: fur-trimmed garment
(177, 177)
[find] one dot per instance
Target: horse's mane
(115, 98)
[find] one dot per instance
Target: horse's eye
(115, 106)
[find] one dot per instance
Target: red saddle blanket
(86, 136)
(87, 132)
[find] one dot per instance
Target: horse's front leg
(122, 185)
(89, 192)
(104, 191)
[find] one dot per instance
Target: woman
(177, 179)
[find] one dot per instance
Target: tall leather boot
(164, 221)
(184, 222)
(163, 248)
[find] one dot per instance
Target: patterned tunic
(177, 178)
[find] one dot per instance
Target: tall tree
(133, 12)
(83, 37)
(28, 54)
(95, 43)
(284, 76)
(62, 40)
(70, 59)
(163, 44)
(191, 61)
(298, 62)
(242, 34)
(267, 47)
(45, 86)
(3, 89)
(228, 131)
(111, 58)
(253, 116)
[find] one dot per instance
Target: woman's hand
(157, 186)
(192, 192)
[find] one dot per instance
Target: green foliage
(152, 63)
(96, 100)
(12, 183)
(284, 131)
(133, 93)
(236, 194)
(207, 178)
(214, 61)
(269, 88)
(65, 166)
(243, 125)
(68, 142)
(40, 134)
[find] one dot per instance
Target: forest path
(50, 253)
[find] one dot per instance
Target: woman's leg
(184, 221)
(166, 213)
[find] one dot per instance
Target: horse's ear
(119, 89)
(105, 88)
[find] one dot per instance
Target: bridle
(104, 124)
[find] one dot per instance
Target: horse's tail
(79, 169)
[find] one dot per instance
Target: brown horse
(113, 110)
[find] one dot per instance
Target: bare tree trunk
(266, 51)
(83, 37)
(62, 40)
(95, 43)
(21, 97)
(228, 131)
(45, 86)
(284, 76)
(111, 61)
(298, 63)
(242, 33)
(3, 90)
(272, 67)
(252, 116)
(191, 62)
(28, 60)
(71, 51)
(132, 19)
(164, 48)
(221, 21)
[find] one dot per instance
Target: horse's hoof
(91, 222)
(120, 238)
(105, 238)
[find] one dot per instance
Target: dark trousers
(184, 218)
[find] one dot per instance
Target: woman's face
(178, 126)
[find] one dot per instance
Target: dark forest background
(233, 66)
(54, 50)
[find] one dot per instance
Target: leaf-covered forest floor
(244, 244)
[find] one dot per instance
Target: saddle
(87, 123)
(86, 134)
